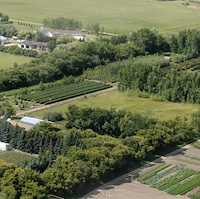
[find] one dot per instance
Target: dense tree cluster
(186, 42)
(173, 85)
(70, 158)
(8, 30)
(18, 51)
(62, 23)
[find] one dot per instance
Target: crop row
(54, 90)
(73, 92)
(78, 93)
(65, 92)
(173, 179)
(153, 172)
(187, 186)
(160, 175)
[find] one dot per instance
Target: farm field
(116, 16)
(64, 92)
(164, 176)
(7, 60)
(17, 158)
(119, 100)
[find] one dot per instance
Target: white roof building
(4, 146)
(31, 121)
(2, 40)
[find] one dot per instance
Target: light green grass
(119, 100)
(118, 16)
(15, 157)
(7, 60)
(2, 196)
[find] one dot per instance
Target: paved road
(131, 174)
(42, 106)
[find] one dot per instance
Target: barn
(4, 146)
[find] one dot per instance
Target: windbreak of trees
(66, 59)
(173, 85)
(72, 158)
(62, 23)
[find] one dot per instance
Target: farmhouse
(2, 40)
(76, 34)
(32, 45)
(4, 146)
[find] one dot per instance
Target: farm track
(42, 106)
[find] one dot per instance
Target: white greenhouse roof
(30, 120)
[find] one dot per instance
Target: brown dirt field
(125, 187)
(133, 190)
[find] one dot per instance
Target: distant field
(118, 100)
(7, 60)
(117, 16)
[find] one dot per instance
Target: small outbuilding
(2, 40)
(4, 146)
(31, 121)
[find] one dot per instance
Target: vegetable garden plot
(64, 92)
(175, 180)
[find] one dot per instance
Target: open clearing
(120, 100)
(16, 157)
(126, 186)
(7, 60)
(117, 16)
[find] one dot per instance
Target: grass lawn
(119, 100)
(15, 157)
(7, 60)
(117, 16)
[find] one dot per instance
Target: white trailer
(4, 146)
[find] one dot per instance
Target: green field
(117, 16)
(15, 157)
(119, 100)
(7, 60)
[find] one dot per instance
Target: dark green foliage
(173, 85)
(53, 116)
(18, 51)
(186, 42)
(150, 41)
(8, 30)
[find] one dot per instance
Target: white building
(32, 122)
(2, 40)
(76, 34)
(4, 146)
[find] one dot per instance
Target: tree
(5, 18)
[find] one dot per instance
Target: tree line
(69, 57)
(73, 157)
